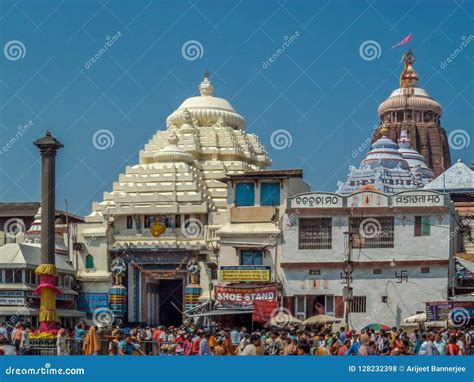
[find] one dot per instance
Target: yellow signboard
(245, 273)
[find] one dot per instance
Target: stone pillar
(47, 289)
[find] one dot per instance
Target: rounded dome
(384, 153)
(410, 98)
(206, 110)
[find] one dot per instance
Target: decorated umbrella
(283, 319)
(321, 319)
(378, 327)
(420, 317)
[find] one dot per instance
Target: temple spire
(409, 77)
(206, 88)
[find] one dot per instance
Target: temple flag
(404, 41)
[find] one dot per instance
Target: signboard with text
(245, 273)
(417, 199)
(239, 298)
(317, 200)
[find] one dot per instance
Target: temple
(389, 168)
(162, 215)
(411, 108)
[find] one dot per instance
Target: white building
(402, 253)
(177, 186)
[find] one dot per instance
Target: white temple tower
(175, 184)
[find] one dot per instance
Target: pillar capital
(48, 144)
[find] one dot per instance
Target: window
(422, 226)
(425, 270)
(251, 257)
(300, 307)
(13, 276)
(373, 232)
(310, 305)
(358, 304)
(315, 233)
(244, 194)
(149, 220)
(29, 276)
(129, 222)
(270, 194)
(315, 272)
(89, 262)
(377, 271)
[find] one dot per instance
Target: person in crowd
(127, 346)
(61, 342)
(91, 344)
(251, 347)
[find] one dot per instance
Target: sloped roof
(459, 177)
(19, 255)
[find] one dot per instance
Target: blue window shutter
(89, 262)
(270, 194)
(244, 194)
(250, 257)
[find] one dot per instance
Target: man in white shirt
(251, 348)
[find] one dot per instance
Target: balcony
(261, 214)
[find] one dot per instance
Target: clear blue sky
(319, 89)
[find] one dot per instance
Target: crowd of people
(194, 340)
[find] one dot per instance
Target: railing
(48, 347)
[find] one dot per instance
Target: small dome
(173, 153)
(206, 110)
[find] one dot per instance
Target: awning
(223, 312)
(469, 265)
(20, 310)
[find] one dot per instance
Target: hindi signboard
(417, 199)
(438, 310)
(238, 298)
(245, 273)
(317, 200)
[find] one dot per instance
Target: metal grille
(373, 232)
(315, 233)
(358, 304)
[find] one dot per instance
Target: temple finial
(409, 77)
(206, 88)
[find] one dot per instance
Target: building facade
(162, 214)
(396, 249)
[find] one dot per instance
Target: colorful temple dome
(385, 169)
(415, 160)
(206, 110)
